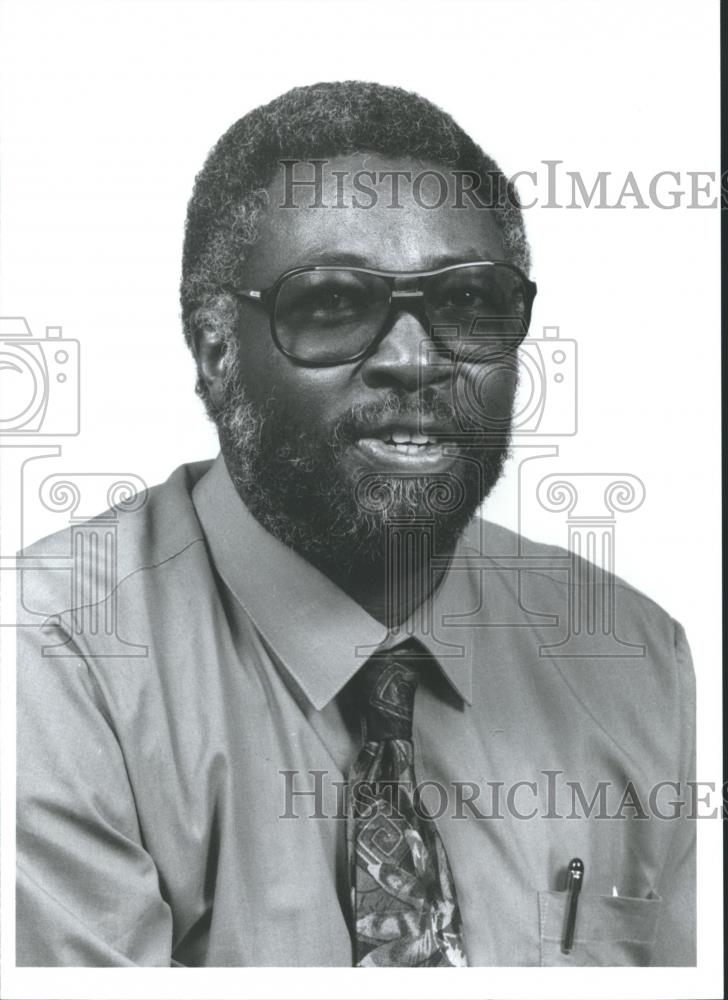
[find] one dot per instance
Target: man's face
(320, 455)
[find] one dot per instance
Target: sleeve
(675, 944)
(88, 893)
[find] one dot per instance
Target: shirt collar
(319, 633)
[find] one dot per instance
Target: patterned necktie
(403, 898)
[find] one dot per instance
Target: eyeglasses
(330, 315)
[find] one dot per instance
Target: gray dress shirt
(185, 733)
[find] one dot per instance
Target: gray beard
(294, 485)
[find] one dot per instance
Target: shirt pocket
(610, 930)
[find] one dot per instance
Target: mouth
(408, 449)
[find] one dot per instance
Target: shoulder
(89, 561)
(552, 573)
(110, 609)
(590, 624)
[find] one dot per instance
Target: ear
(210, 350)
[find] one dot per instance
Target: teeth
(407, 448)
(409, 437)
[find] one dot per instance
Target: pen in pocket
(576, 878)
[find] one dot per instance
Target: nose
(405, 357)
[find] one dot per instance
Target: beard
(295, 483)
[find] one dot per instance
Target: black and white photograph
(360, 498)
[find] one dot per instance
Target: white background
(109, 110)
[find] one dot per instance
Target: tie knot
(386, 687)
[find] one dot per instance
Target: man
(350, 740)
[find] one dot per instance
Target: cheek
(311, 396)
(484, 393)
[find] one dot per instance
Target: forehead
(387, 213)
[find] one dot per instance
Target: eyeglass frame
(266, 297)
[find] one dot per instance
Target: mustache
(427, 408)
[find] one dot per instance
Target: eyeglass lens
(328, 316)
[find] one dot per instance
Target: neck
(388, 570)
(392, 589)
